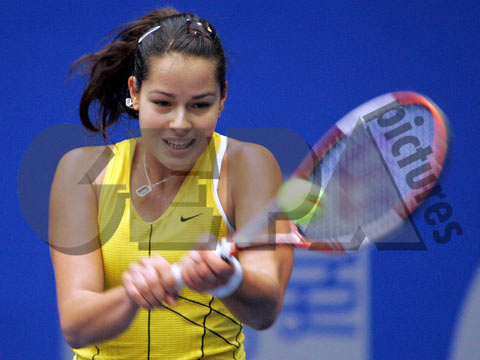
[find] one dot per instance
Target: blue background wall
(294, 64)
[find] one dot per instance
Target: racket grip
(223, 250)
(232, 284)
(177, 274)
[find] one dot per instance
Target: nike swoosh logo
(182, 219)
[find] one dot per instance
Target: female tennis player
(127, 212)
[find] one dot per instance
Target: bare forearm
(257, 301)
(92, 317)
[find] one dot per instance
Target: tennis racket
(359, 182)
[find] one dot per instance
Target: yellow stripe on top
(199, 326)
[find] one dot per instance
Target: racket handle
(177, 274)
(223, 250)
(233, 283)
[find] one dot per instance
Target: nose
(180, 120)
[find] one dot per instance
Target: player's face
(178, 107)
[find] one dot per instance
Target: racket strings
(364, 187)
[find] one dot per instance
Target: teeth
(179, 144)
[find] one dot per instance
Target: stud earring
(129, 102)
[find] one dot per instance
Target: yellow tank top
(199, 326)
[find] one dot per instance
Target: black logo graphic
(182, 219)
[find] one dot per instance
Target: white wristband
(233, 283)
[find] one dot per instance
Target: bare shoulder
(253, 177)
(250, 175)
(251, 163)
(241, 154)
(85, 165)
(74, 200)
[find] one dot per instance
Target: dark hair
(109, 69)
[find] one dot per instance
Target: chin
(179, 166)
(180, 163)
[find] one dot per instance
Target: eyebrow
(173, 96)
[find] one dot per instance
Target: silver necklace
(146, 189)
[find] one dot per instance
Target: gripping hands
(153, 281)
(228, 285)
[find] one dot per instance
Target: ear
(224, 98)
(134, 92)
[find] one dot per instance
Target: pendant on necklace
(144, 190)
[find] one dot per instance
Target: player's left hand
(203, 270)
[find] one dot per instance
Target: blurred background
(297, 65)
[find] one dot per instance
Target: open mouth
(179, 144)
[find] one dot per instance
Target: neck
(155, 169)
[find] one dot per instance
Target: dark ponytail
(108, 70)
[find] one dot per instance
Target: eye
(201, 105)
(162, 103)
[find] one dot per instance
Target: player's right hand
(150, 283)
